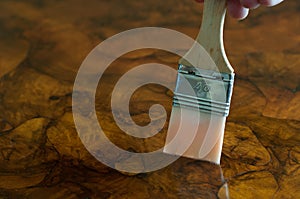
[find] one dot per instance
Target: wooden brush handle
(211, 37)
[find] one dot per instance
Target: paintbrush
(211, 82)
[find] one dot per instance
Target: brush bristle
(195, 134)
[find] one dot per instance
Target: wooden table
(42, 45)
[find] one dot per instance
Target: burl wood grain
(42, 44)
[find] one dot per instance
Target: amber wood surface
(42, 44)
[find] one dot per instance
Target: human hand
(239, 9)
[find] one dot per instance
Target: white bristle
(203, 142)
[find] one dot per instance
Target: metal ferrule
(206, 90)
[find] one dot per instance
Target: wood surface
(42, 44)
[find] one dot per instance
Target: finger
(236, 10)
(269, 2)
(251, 4)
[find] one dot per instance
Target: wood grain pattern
(41, 155)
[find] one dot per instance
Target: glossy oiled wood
(43, 43)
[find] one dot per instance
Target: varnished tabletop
(42, 45)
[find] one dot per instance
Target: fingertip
(236, 10)
(251, 4)
(270, 2)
